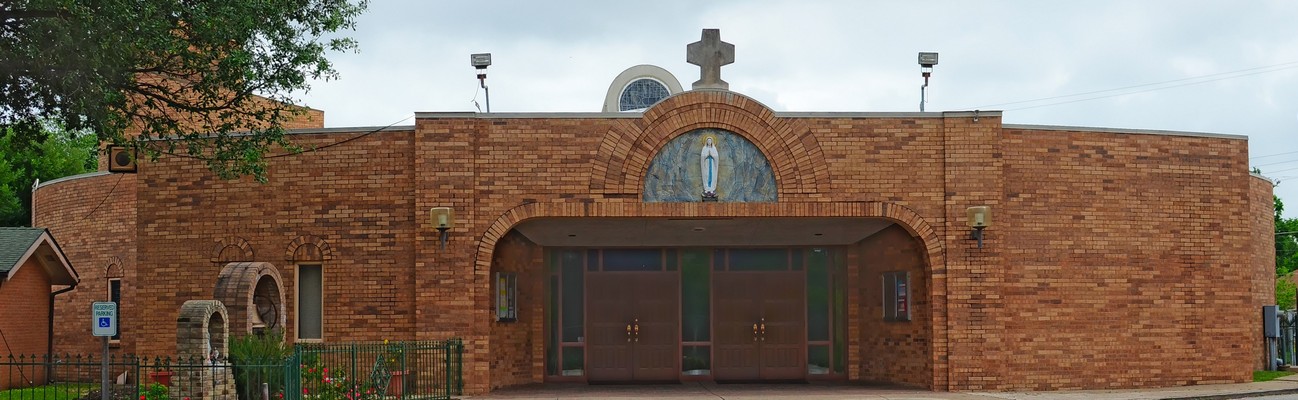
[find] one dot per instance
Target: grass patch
(1258, 376)
(58, 391)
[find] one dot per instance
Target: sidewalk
(818, 391)
(1284, 385)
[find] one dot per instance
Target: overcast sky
(1203, 66)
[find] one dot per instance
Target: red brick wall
(26, 300)
(1127, 261)
(93, 219)
(518, 348)
(1137, 229)
(357, 198)
(892, 351)
(1262, 221)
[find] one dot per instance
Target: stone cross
(710, 53)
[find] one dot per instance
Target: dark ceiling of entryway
(674, 232)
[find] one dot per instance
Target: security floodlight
(483, 60)
(926, 62)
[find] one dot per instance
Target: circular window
(642, 93)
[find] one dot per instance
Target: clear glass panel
(574, 361)
(573, 297)
(795, 257)
(552, 340)
(309, 307)
(759, 259)
(818, 296)
(696, 360)
(694, 296)
(818, 360)
(622, 260)
(592, 260)
(671, 260)
(718, 260)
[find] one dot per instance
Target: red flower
(142, 397)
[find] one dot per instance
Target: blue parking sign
(105, 322)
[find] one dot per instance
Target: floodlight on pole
(926, 62)
(481, 61)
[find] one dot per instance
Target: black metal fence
(1287, 344)
(67, 377)
(401, 370)
(425, 370)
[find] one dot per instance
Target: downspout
(49, 350)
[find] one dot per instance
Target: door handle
(628, 332)
(754, 332)
(763, 326)
(637, 329)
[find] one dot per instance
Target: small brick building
(834, 246)
(32, 271)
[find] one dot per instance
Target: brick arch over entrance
(934, 254)
(627, 149)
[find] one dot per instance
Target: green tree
(23, 161)
(194, 72)
(1286, 241)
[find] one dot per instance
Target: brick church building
(700, 235)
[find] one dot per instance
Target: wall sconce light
(978, 218)
(443, 218)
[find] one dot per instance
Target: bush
(259, 358)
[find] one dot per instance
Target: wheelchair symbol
(105, 322)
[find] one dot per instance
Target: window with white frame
(310, 302)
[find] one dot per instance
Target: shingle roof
(14, 243)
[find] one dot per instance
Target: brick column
(447, 299)
(974, 302)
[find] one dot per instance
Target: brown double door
(633, 331)
(760, 326)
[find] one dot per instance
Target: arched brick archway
(628, 148)
(912, 222)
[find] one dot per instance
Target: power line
(1274, 163)
(1273, 155)
(1196, 81)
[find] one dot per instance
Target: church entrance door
(760, 326)
(633, 326)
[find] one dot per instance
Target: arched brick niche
(630, 145)
(308, 248)
(253, 293)
(203, 336)
(232, 249)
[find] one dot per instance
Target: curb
(1237, 395)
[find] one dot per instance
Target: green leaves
(161, 71)
(25, 159)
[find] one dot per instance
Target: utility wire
(1274, 163)
(1273, 155)
(1157, 86)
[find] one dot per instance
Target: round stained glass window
(642, 93)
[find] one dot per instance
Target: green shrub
(259, 358)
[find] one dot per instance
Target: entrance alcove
(253, 295)
(203, 338)
(654, 299)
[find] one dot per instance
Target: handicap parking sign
(104, 318)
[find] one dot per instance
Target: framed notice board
(506, 296)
